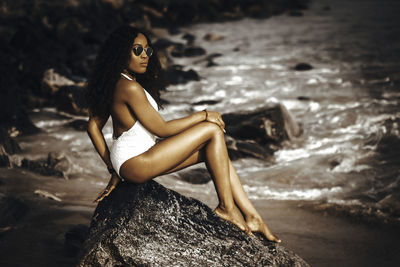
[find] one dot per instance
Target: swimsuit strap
(126, 76)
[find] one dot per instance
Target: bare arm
(135, 97)
(95, 133)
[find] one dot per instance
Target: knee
(212, 129)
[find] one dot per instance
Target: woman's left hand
(114, 180)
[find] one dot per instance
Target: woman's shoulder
(125, 86)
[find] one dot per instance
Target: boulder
(7, 143)
(8, 146)
(190, 51)
(71, 99)
(56, 164)
(176, 75)
(303, 67)
(195, 176)
(52, 81)
(79, 125)
(41, 167)
(268, 125)
(259, 133)
(212, 37)
(149, 225)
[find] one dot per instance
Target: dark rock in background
(177, 75)
(71, 99)
(79, 125)
(195, 176)
(149, 225)
(265, 126)
(259, 133)
(7, 143)
(56, 164)
(8, 146)
(41, 167)
(303, 67)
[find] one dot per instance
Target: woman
(125, 85)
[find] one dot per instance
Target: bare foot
(234, 216)
(256, 224)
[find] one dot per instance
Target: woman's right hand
(114, 180)
(215, 117)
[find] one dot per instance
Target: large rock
(149, 225)
(259, 133)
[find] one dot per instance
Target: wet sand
(321, 239)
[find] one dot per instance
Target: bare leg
(253, 218)
(173, 151)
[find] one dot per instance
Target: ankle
(225, 207)
(252, 217)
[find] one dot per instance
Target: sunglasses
(138, 50)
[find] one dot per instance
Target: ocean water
(348, 157)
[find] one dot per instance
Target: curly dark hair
(112, 58)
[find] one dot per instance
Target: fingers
(104, 193)
(216, 118)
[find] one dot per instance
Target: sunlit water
(349, 106)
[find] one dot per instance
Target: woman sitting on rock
(125, 85)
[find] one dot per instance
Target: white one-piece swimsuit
(132, 142)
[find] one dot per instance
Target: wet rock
(149, 225)
(40, 167)
(14, 119)
(74, 239)
(59, 162)
(9, 145)
(212, 37)
(163, 43)
(258, 134)
(252, 149)
(191, 51)
(206, 102)
(176, 75)
(12, 210)
(238, 149)
(79, 125)
(209, 59)
(189, 38)
(52, 81)
(4, 159)
(304, 98)
(71, 99)
(303, 67)
(267, 125)
(195, 176)
(194, 51)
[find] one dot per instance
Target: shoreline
(321, 239)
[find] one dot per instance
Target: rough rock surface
(259, 133)
(149, 225)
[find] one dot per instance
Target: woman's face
(138, 63)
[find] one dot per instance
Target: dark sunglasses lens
(149, 51)
(138, 50)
